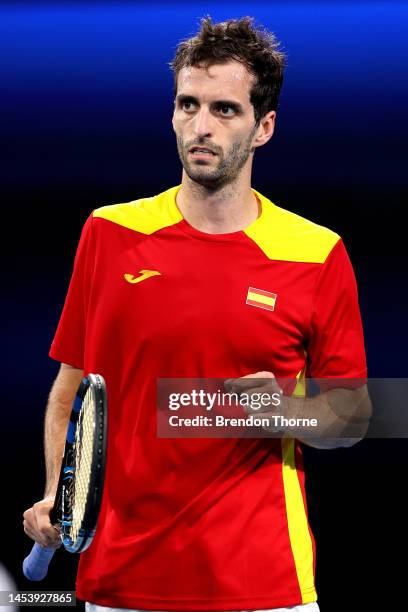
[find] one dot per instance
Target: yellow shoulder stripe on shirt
(280, 234)
(285, 236)
(147, 215)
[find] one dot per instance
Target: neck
(229, 209)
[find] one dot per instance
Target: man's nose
(202, 123)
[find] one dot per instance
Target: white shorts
(310, 607)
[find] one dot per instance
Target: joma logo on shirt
(143, 274)
(261, 298)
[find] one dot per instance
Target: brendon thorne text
(276, 420)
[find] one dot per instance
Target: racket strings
(83, 452)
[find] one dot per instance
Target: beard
(224, 171)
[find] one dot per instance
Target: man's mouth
(201, 152)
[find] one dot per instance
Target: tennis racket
(80, 486)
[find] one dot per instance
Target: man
(163, 287)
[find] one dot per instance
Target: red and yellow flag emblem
(261, 298)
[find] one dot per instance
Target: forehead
(231, 78)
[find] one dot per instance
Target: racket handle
(35, 565)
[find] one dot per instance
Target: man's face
(213, 111)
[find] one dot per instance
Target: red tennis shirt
(203, 524)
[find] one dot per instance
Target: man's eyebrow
(181, 98)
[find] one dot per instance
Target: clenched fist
(37, 524)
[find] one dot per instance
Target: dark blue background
(86, 103)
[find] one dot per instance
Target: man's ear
(265, 129)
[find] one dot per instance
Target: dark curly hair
(237, 39)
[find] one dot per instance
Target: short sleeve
(336, 343)
(69, 340)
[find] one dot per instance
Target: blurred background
(86, 103)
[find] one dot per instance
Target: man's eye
(224, 110)
(187, 106)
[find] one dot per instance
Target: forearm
(341, 417)
(56, 422)
(55, 428)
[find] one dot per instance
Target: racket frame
(86, 533)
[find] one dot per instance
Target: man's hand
(342, 415)
(37, 524)
(259, 384)
(251, 384)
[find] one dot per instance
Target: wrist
(48, 496)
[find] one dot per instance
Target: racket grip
(35, 565)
